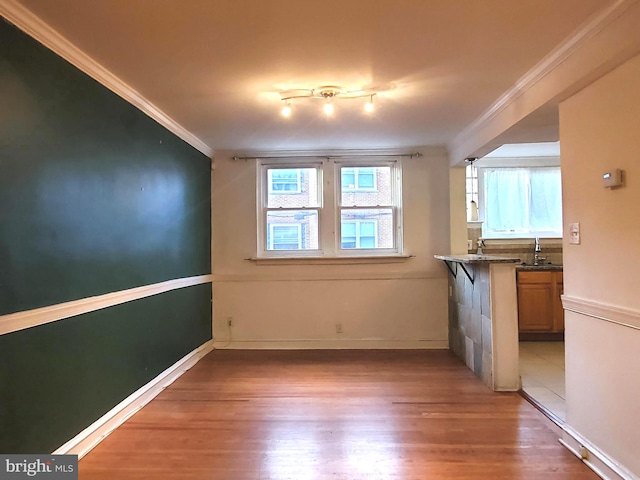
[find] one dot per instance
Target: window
(359, 234)
(284, 180)
(472, 193)
(284, 236)
(521, 202)
(290, 217)
(329, 208)
(368, 217)
(358, 179)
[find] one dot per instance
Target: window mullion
(330, 227)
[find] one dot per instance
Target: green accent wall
(95, 197)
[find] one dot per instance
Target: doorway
(543, 377)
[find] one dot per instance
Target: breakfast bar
(483, 316)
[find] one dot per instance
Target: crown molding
(35, 27)
(560, 55)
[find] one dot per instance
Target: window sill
(346, 260)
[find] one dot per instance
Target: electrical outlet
(229, 321)
(338, 328)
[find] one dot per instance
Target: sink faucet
(536, 255)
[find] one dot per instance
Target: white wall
(600, 130)
(458, 210)
(395, 305)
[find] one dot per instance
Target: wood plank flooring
(341, 415)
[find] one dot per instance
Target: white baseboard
(91, 436)
(332, 344)
(593, 457)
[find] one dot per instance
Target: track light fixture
(368, 107)
(286, 110)
(328, 94)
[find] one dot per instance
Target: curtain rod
(362, 155)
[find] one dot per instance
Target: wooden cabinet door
(535, 312)
(539, 303)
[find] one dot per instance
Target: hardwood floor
(316, 415)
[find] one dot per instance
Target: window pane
(546, 197)
(522, 201)
(370, 228)
(349, 229)
(292, 230)
(506, 197)
(286, 237)
(348, 178)
(367, 242)
(366, 186)
(285, 180)
(366, 178)
(292, 188)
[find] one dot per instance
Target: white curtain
(522, 201)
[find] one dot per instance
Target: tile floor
(542, 373)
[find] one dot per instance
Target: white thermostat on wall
(612, 178)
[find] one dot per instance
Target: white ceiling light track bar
(328, 94)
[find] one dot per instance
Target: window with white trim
(284, 236)
(521, 202)
(349, 207)
(284, 180)
(359, 234)
(358, 179)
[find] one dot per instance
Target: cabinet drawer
(535, 277)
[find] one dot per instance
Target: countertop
(474, 258)
(542, 267)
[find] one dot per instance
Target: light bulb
(286, 110)
(368, 107)
(328, 108)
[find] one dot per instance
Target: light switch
(574, 233)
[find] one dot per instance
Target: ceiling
(217, 67)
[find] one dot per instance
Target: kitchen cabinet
(540, 312)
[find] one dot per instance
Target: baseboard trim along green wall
(14, 322)
(95, 433)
